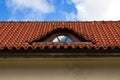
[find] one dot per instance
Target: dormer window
(62, 38)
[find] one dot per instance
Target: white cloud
(86, 9)
(97, 9)
(36, 5)
(37, 8)
(70, 16)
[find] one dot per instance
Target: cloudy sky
(59, 10)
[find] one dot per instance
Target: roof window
(62, 38)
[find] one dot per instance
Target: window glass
(68, 40)
(56, 40)
(62, 38)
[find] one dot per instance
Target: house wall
(59, 69)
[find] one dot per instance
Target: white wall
(60, 69)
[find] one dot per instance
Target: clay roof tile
(19, 34)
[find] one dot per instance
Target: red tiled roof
(19, 34)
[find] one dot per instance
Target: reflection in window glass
(62, 38)
(68, 40)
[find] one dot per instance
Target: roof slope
(18, 34)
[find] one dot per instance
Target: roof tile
(18, 34)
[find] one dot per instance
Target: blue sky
(59, 10)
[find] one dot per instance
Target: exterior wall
(59, 69)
